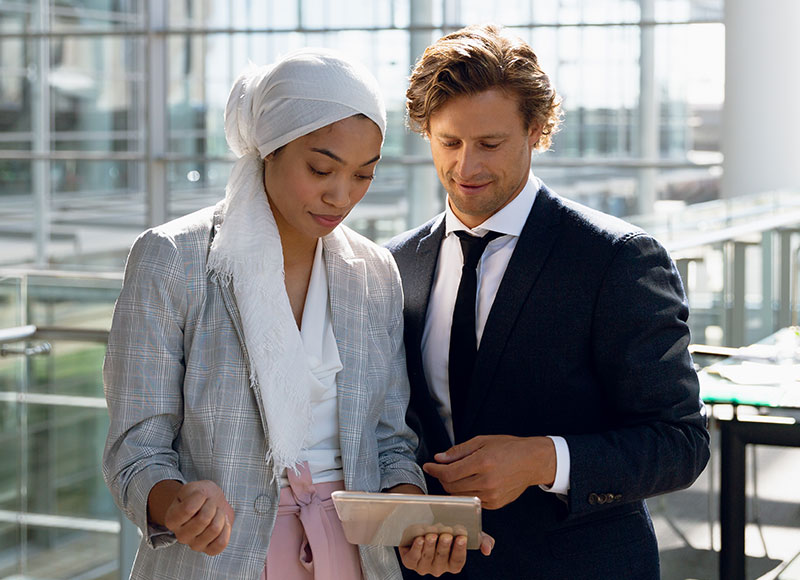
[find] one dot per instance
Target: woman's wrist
(160, 498)
(405, 488)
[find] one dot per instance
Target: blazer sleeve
(396, 440)
(639, 343)
(143, 377)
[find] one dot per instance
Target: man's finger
(451, 472)
(462, 472)
(487, 543)
(429, 549)
(443, 547)
(411, 554)
(459, 451)
(458, 555)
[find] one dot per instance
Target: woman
(240, 398)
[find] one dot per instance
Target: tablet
(395, 519)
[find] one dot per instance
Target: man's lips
(471, 187)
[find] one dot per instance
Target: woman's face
(314, 181)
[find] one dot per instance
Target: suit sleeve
(143, 378)
(639, 344)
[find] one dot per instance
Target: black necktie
(463, 341)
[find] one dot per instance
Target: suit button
(262, 504)
(594, 499)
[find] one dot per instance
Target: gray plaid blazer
(176, 378)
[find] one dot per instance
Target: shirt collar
(509, 220)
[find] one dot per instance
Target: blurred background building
(111, 121)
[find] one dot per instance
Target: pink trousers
(308, 541)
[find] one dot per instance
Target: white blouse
(322, 449)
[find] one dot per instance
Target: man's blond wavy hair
(476, 59)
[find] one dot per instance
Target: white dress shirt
(491, 268)
(322, 449)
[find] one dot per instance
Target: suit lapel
(534, 245)
(417, 286)
(347, 296)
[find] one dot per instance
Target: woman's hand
(197, 513)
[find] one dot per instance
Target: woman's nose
(337, 194)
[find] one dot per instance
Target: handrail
(17, 333)
(71, 333)
(688, 242)
(31, 331)
(713, 222)
(16, 271)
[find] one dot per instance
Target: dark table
(764, 376)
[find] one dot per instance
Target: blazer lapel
(229, 299)
(534, 245)
(346, 290)
(226, 290)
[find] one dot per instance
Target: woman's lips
(329, 221)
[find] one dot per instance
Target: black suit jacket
(586, 339)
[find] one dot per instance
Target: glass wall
(111, 111)
(111, 121)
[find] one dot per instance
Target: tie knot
(472, 247)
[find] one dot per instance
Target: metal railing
(33, 292)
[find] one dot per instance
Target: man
(581, 399)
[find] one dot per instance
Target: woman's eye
(369, 177)
(317, 171)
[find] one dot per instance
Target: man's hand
(496, 468)
(436, 554)
(197, 513)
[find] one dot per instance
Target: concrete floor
(772, 536)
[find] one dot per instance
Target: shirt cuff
(561, 482)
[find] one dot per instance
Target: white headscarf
(268, 107)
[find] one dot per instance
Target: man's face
(482, 152)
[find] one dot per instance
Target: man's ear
(534, 134)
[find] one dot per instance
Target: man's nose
(468, 162)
